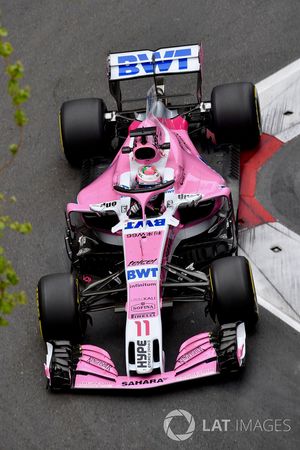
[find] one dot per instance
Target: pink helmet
(148, 176)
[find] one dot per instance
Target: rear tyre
(58, 308)
(233, 291)
(82, 130)
(236, 114)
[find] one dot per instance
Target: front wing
(89, 367)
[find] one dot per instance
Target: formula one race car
(153, 224)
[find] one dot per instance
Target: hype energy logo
(144, 62)
(142, 273)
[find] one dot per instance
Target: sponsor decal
(99, 363)
(143, 354)
(142, 285)
(139, 64)
(196, 351)
(143, 299)
(142, 262)
(146, 381)
(182, 196)
(108, 204)
(94, 385)
(143, 235)
(149, 223)
(143, 307)
(142, 315)
(186, 196)
(138, 274)
(194, 199)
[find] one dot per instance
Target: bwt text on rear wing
(144, 63)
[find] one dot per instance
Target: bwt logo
(142, 62)
(144, 273)
(149, 223)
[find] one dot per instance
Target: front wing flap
(90, 367)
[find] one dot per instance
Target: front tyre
(233, 291)
(58, 308)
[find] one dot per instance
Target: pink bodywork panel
(191, 173)
(100, 373)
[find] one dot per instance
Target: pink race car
(153, 224)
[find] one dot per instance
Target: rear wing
(144, 63)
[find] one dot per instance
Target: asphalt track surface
(63, 45)
(279, 190)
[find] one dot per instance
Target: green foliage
(6, 49)
(13, 148)
(18, 94)
(20, 117)
(3, 32)
(9, 297)
(8, 277)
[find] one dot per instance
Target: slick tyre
(82, 129)
(58, 308)
(236, 114)
(233, 296)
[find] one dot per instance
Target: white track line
(279, 77)
(281, 315)
(280, 94)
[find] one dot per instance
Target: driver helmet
(148, 176)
